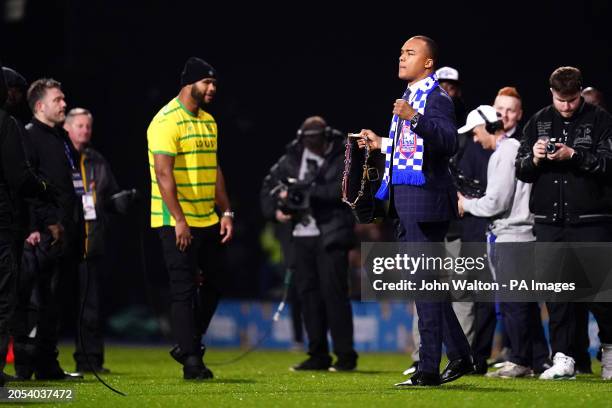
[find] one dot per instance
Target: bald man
(594, 97)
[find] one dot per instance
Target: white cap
(475, 118)
(447, 74)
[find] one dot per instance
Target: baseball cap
(476, 118)
(447, 74)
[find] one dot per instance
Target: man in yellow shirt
(186, 186)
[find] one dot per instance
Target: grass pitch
(150, 378)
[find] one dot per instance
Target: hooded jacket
(332, 216)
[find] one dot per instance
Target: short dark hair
(566, 80)
(432, 47)
(39, 88)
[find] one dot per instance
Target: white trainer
(511, 370)
(606, 362)
(562, 369)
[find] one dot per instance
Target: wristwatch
(228, 213)
(415, 120)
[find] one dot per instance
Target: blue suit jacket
(436, 200)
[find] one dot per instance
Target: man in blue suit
(422, 197)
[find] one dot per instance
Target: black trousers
(8, 290)
(485, 320)
(91, 277)
(297, 322)
(44, 273)
(566, 320)
(438, 323)
(321, 279)
(194, 284)
(527, 343)
(526, 334)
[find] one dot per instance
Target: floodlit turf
(151, 379)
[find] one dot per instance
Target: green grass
(151, 379)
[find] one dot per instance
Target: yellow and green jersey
(192, 141)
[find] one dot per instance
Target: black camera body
(298, 197)
(469, 187)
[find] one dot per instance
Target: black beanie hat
(14, 78)
(3, 90)
(195, 70)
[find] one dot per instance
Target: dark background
(277, 65)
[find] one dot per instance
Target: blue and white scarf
(407, 151)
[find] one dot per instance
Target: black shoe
(313, 364)
(584, 370)
(25, 358)
(480, 368)
(6, 377)
(23, 373)
(194, 369)
(197, 373)
(421, 379)
(412, 369)
(53, 374)
(181, 356)
(85, 368)
(456, 369)
(344, 365)
(193, 366)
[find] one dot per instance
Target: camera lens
(550, 148)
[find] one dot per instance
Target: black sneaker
(85, 368)
(53, 374)
(197, 373)
(194, 369)
(480, 367)
(312, 364)
(343, 365)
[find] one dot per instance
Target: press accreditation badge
(89, 207)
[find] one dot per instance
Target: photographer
(303, 188)
(566, 152)
(506, 203)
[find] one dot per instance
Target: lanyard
(69, 156)
(77, 178)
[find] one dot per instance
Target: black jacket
(576, 190)
(17, 179)
(98, 172)
(333, 217)
(437, 199)
(49, 159)
(438, 129)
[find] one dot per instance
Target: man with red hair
(508, 104)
